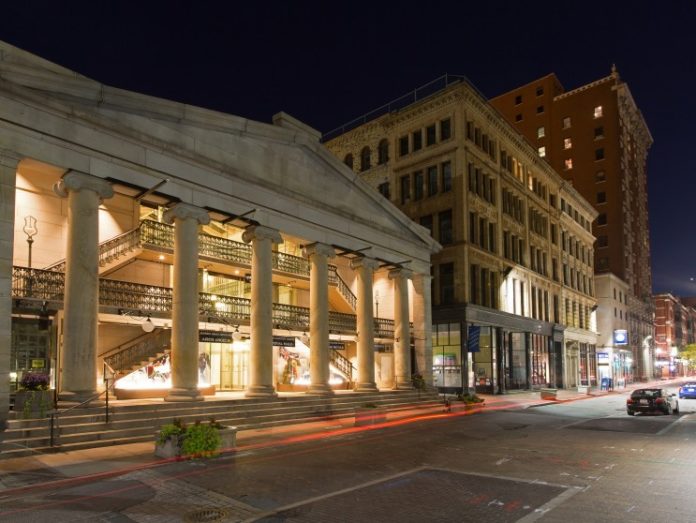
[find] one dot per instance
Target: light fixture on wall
(236, 335)
(30, 230)
(304, 338)
(147, 325)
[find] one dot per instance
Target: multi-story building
(136, 228)
(674, 324)
(596, 137)
(513, 287)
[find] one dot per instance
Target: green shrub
(201, 440)
(418, 381)
(469, 398)
(177, 428)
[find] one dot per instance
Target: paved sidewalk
(119, 459)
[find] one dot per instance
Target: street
(580, 461)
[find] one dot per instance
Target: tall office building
(513, 289)
(596, 137)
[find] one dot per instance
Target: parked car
(688, 390)
(652, 401)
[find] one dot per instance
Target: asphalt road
(583, 461)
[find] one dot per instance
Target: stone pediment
(279, 168)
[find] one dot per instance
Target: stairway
(87, 428)
(138, 352)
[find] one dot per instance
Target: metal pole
(30, 240)
(107, 400)
(53, 418)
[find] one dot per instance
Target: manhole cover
(206, 515)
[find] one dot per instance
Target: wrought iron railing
(110, 249)
(342, 363)
(384, 328)
(37, 284)
(138, 353)
(224, 249)
(156, 234)
(225, 309)
(135, 296)
(289, 263)
(342, 286)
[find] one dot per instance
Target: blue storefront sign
(473, 339)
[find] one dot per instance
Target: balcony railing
(39, 284)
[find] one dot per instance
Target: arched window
(365, 159)
(383, 152)
(348, 160)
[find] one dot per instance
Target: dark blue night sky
(329, 62)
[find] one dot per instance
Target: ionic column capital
(9, 158)
(364, 262)
(400, 272)
(76, 181)
(185, 211)
(261, 232)
(318, 248)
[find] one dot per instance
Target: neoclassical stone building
(237, 254)
(514, 298)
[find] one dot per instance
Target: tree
(688, 353)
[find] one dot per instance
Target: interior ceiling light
(147, 325)
(236, 335)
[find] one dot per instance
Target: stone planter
(369, 416)
(548, 394)
(171, 448)
(33, 403)
(459, 406)
(583, 389)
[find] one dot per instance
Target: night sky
(329, 62)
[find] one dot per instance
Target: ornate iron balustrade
(157, 234)
(342, 363)
(342, 322)
(135, 296)
(290, 317)
(289, 263)
(335, 279)
(224, 249)
(140, 352)
(227, 309)
(37, 284)
(384, 328)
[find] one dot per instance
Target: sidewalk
(24, 472)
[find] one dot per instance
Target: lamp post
(30, 230)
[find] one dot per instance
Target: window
(417, 140)
(418, 185)
(567, 143)
(598, 111)
(432, 180)
(447, 283)
(539, 91)
(599, 154)
(569, 164)
(598, 133)
(602, 241)
(540, 109)
(445, 226)
(566, 122)
(403, 145)
(348, 160)
(518, 117)
(430, 135)
(600, 176)
(541, 132)
(427, 222)
(542, 151)
(602, 219)
(405, 188)
(445, 129)
(365, 155)
(602, 264)
(383, 152)
(383, 189)
(446, 177)
(518, 99)
(601, 197)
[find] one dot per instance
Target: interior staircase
(130, 423)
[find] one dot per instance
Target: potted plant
(369, 414)
(470, 400)
(33, 398)
(198, 440)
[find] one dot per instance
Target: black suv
(652, 400)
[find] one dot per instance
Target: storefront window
(540, 360)
(485, 361)
(447, 364)
(516, 371)
(583, 364)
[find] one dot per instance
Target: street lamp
(30, 230)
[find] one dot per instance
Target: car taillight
(629, 401)
(660, 400)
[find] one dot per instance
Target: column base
(72, 398)
(369, 386)
(321, 389)
(261, 391)
(403, 385)
(187, 395)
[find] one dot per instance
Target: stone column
(261, 356)
(319, 355)
(184, 354)
(402, 330)
(366, 327)
(8, 176)
(423, 326)
(81, 304)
